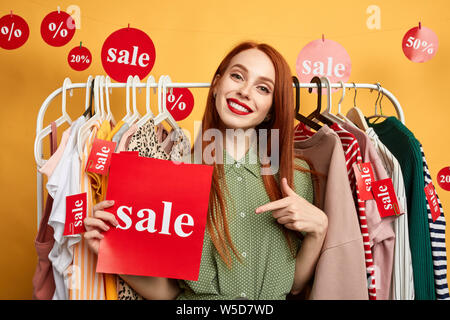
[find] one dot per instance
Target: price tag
(76, 209)
(180, 103)
(323, 57)
(433, 203)
(443, 178)
(420, 44)
(14, 31)
(126, 52)
(79, 58)
(364, 178)
(100, 156)
(385, 197)
(57, 28)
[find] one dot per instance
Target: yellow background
(191, 38)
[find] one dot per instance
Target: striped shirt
(352, 155)
(437, 237)
(402, 273)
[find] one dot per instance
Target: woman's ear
(213, 84)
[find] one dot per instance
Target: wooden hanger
(356, 116)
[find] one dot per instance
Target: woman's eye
(265, 89)
(236, 76)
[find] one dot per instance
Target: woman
(252, 246)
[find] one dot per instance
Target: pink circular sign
(420, 44)
(180, 103)
(443, 178)
(128, 51)
(79, 58)
(323, 57)
(57, 28)
(14, 31)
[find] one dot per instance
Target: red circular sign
(126, 52)
(14, 31)
(180, 103)
(79, 58)
(443, 178)
(321, 58)
(57, 28)
(420, 44)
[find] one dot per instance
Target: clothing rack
(54, 94)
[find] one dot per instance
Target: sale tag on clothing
(385, 197)
(161, 208)
(100, 156)
(430, 193)
(364, 178)
(76, 206)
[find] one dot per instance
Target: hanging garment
(437, 236)
(64, 182)
(402, 273)
(86, 284)
(406, 148)
(43, 280)
(126, 137)
(381, 230)
(352, 155)
(116, 138)
(50, 165)
(340, 271)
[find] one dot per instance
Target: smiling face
(244, 93)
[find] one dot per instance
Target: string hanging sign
(79, 58)
(420, 44)
(14, 31)
(57, 28)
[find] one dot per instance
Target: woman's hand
(297, 214)
(98, 223)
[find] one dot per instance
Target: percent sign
(57, 28)
(79, 58)
(420, 44)
(180, 103)
(14, 31)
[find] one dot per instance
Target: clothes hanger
(339, 114)
(85, 129)
(298, 115)
(316, 113)
(61, 120)
(164, 114)
(327, 113)
(149, 114)
(108, 91)
(376, 115)
(101, 86)
(127, 103)
(356, 116)
(135, 116)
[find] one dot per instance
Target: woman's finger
(285, 219)
(103, 205)
(93, 234)
(278, 204)
(93, 223)
(107, 216)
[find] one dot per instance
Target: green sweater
(406, 148)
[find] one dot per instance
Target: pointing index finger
(277, 204)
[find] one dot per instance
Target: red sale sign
(128, 51)
(364, 178)
(79, 58)
(100, 157)
(161, 208)
(180, 102)
(385, 197)
(57, 28)
(76, 210)
(433, 203)
(14, 31)
(420, 44)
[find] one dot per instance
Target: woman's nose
(244, 90)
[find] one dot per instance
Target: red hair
(281, 118)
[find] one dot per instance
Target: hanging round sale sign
(128, 51)
(443, 178)
(14, 31)
(420, 44)
(79, 58)
(180, 103)
(323, 58)
(57, 28)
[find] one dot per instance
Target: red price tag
(433, 203)
(180, 103)
(385, 197)
(14, 31)
(79, 58)
(57, 28)
(126, 52)
(100, 156)
(76, 206)
(420, 44)
(364, 179)
(323, 57)
(443, 178)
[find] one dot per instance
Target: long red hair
(281, 116)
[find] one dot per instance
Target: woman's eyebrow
(246, 70)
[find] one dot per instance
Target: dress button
(239, 179)
(244, 254)
(243, 295)
(238, 165)
(242, 214)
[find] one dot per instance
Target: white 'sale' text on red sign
(76, 206)
(385, 197)
(433, 203)
(100, 157)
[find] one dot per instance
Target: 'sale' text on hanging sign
(76, 206)
(128, 51)
(364, 178)
(100, 156)
(385, 197)
(433, 203)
